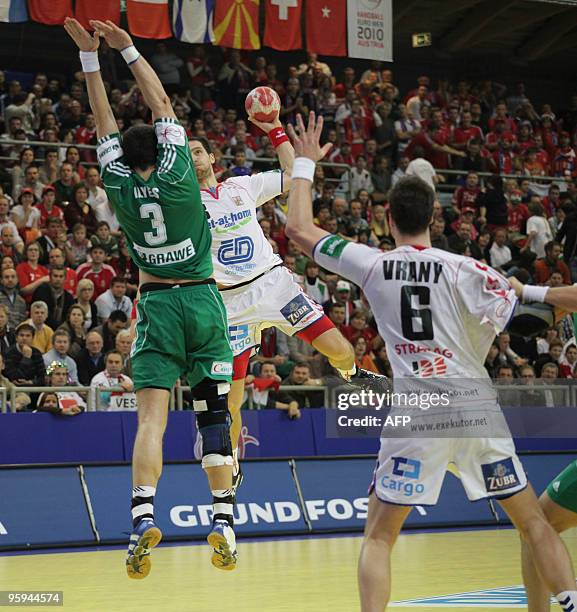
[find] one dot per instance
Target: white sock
(568, 601)
(142, 503)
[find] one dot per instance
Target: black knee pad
(213, 421)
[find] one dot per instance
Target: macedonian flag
(236, 24)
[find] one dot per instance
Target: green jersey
(163, 218)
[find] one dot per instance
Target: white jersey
(437, 312)
(240, 250)
(112, 400)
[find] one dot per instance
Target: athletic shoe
(145, 536)
(367, 379)
(222, 539)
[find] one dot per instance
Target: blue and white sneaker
(145, 536)
(223, 540)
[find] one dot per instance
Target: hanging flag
(50, 12)
(236, 24)
(326, 27)
(370, 26)
(101, 10)
(148, 18)
(13, 11)
(283, 24)
(192, 20)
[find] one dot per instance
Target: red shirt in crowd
(502, 162)
(564, 162)
(26, 275)
(464, 196)
(101, 279)
(44, 214)
(463, 135)
(517, 218)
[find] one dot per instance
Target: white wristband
(303, 168)
(89, 61)
(534, 294)
(130, 54)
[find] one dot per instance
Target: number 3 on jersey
(158, 236)
(413, 315)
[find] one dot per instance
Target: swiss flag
(50, 12)
(283, 24)
(101, 11)
(327, 27)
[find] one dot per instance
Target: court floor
(296, 575)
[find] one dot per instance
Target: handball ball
(263, 104)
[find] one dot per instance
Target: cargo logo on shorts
(333, 247)
(499, 475)
(239, 338)
(404, 468)
(296, 310)
(221, 367)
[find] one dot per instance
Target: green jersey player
(181, 324)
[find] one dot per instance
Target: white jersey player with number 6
(438, 314)
(257, 290)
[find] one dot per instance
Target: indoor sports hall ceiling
(524, 31)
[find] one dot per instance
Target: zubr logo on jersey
(229, 222)
(239, 338)
(500, 475)
(235, 251)
(404, 468)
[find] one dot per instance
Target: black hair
(118, 315)
(411, 201)
(139, 144)
(204, 142)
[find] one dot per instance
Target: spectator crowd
(67, 280)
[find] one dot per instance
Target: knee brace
(213, 422)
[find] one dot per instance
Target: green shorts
(181, 331)
(563, 489)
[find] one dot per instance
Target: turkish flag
(149, 18)
(101, 11)
(327, 27)
(283, 24)
(236, 24)
(50, 12)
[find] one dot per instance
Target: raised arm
(88, 45)
(564, 297)
(300, 226)
(282, 145)
(152, 89)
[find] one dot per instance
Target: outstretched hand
(116, 37)
(84, 40)
(306, 141)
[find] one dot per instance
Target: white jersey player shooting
(430, 304)
(257, 290)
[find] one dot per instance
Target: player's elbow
(294, 231)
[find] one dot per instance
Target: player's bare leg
(384, 522)
(333, 345)
(538, 595)
(146, 470)
(549, 554)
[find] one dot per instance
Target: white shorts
(273, 300)
(410, 471)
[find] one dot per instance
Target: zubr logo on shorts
(404, 468)
(235, 251)
(296, 310)
(500, 475)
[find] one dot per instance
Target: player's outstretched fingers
(301, 125)
(311, 125)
